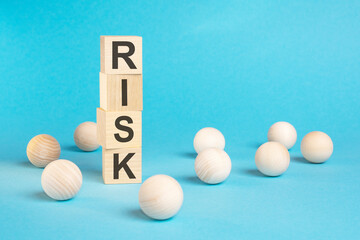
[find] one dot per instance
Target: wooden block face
(118, 129)
(121, 92)
(122, 165)
(121, 54)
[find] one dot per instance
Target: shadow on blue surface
(25, 164)
(255, 145)
(138, 214)
(40, 196)
(192, 180)
(92, 173)
(191, 155)
(252, 172)
(299, 160)
(71, 148)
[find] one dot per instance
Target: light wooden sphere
(283, 132)
(272, 159)
(160, 197)
(212, 165)
(61, 179)
(85, 136)
(316, 147)
(43, 149)
(208, 138)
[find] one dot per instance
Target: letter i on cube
(121, 103)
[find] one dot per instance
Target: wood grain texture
(283, 132)
(43, 149)
(112, 89)
(272, 159)
(212, 165)
(208, 137)
(106, 55)
(85, 136)
(160, 197)
(61, 179)
(108, 133)
(317, 147)
(134, 164)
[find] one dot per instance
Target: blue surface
(238, 66)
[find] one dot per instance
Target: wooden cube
(122, 165)
(121, 54)
(121, 92)
(118, 129)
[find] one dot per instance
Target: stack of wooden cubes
(121, 103)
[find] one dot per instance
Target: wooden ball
(160, 197)
(85, 136)
(61, 179)
(272, 159)
(316, 147)
(43, 149)
(283, 132)
(212, 165)
(208, 138)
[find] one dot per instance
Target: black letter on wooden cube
(125, 56)
(118, 166)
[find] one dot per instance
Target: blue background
(238, 66)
